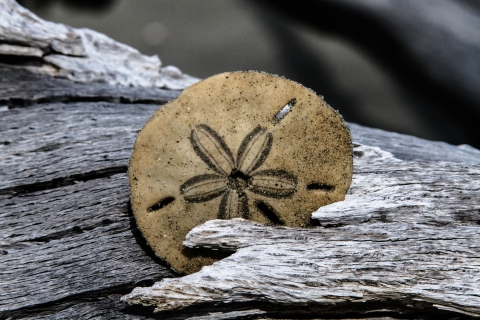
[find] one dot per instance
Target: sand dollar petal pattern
(204, 187)
(233, 205)
(211, 148)
(254, 150)
(273, 183)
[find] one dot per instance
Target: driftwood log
(404, 244)
(80, 55)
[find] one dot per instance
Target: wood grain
(349, 265)
(406, 147)
(20, 88)
(385, 189)
(77, 137)
(64, 243)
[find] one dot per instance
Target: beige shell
(222, 150)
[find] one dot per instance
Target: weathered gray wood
(77, 137)
(393, 249)
(99, 308)
(292, 268)
(19, 88)
(66, 243)
(406, 147)
(251, 314)
(102, 309)
(80, 55)
(230, 235)
(67, 145)
(385, 189)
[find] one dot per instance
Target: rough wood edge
(81, 55)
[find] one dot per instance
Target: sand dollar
(240, 144)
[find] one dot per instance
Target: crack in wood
(62, 182)
(32, 89)
(14, 103)
(57, 273)
(53, 307)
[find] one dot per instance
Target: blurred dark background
(409, 66)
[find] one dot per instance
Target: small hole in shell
(288, 107)
(161, 204)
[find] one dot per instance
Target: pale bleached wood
(250, 314)
(71, 251)
(432, 257)
(41, 217)
(385, 189)
(81, 55)
(229, 235)
(291, 268)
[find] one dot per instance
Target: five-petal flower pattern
(233, 177)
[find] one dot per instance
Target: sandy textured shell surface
(220, 150)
